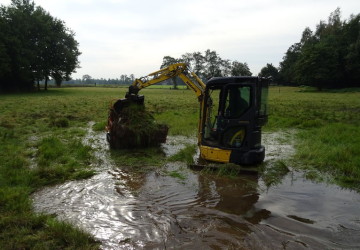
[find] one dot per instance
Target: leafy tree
(132, 78)
(240, 69)
(226, 67)
(4, 57)
(209, 64)
(318, 65)
(352, 52)
(198, 64)
(34, 46)
(58, 51)
(18, 44)
(270, 71)
(287, 66)
(187, 58)
(86, 78)
(168, 60)
(212, 64)
(328, 57)
(64, 58)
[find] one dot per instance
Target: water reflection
(308, 214)
(125, 209)
(205, 211)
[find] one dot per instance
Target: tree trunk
(38, 85)
(174, 83)
(46, 81)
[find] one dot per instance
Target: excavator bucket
(131, 126)
(120, 104)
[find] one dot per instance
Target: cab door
(227, 111)
(238, 113)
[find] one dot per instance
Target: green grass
(334, 149)
(170, 87)
(179, 109)
(29, 231)
(177, 175)
(185, 155)
(59, 161)
(274, 173)
(139, 160)
(328, 138)
(291, 108)
(41, 144)
(99, 126)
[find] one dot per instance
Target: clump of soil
(132, 126)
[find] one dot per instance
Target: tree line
(208, 64)
(328, 57)
(87, 79)
(37, 48)
(205, 65)
(34, 46)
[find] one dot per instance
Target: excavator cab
(233, 111)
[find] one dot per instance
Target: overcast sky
(132, 36)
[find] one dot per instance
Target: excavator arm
(178, 69)
(119, 134)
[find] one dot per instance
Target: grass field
(41, 144)
(328, 138)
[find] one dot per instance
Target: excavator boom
(178, 69)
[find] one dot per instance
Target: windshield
(237, 101)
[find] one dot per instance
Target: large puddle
(128, 210)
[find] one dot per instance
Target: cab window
(212, 113)
(237, 101)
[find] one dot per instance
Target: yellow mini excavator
(232, 112)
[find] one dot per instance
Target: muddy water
(127, 210)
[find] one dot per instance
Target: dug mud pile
(132, 126)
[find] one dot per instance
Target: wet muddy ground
(125, 209)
